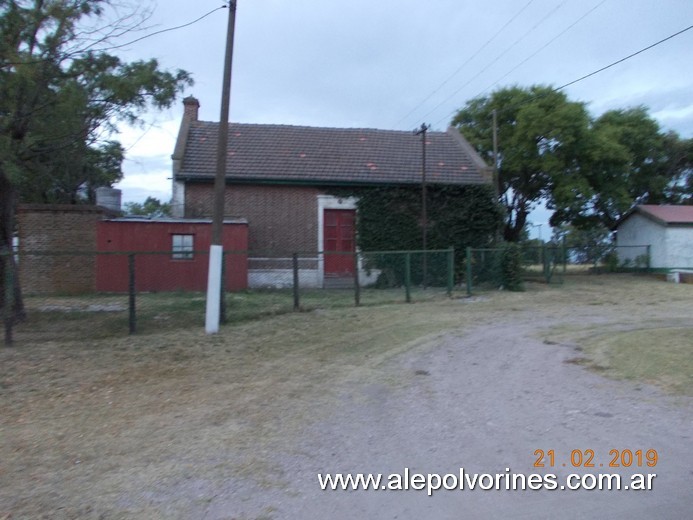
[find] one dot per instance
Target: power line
(478, 51)
(34, 62)
(165, 30)
(626, 58)
(602, 69)
(508, 49)
(543, 47)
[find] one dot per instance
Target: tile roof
(667, 214)
(279, 153)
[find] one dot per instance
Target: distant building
(668, 230)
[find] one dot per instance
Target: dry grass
(81, 421)
(659, 356)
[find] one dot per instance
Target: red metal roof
(667, 214)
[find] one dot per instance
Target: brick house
(279, 179)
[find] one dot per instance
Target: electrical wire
(626, 58)
(34, 62)
(165, 30)
(502, 54)
(602, 69)
(461, 67)
(542, 47)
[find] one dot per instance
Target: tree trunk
(11, 302)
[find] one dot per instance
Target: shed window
(182, 247)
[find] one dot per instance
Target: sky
(393, 64)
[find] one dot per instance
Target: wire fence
(85, 295)
(551, 263)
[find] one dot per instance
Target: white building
(668, 230)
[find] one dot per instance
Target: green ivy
(389, 219)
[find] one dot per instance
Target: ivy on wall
(389, 218)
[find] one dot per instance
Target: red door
(339, 237)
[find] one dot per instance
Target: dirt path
(484, 401)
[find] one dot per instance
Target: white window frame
(182, 246)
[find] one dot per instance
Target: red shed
(172, 254)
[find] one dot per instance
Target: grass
(659, 356)
(104, 316)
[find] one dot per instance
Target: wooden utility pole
(496, 180)
(424, 212)
(216, 251)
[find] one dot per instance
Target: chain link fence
(76, 296)
(551, 263)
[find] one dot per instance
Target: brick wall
(47, 229)
(281, 219)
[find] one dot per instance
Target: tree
(542, 136)
(60, 96)
(628, 160)
(152, 208)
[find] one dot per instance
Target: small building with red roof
(666, 229)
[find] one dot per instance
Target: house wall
(679, 240)
(670, 246)
(281, 219)
(639, 231)
(47, 229)
(159, 271)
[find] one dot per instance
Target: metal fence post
(407, 276)
(648, 257)
(469, 271)
(8, 302)
(297, 298)
(131, 292)
(451, 270)
(357, 285)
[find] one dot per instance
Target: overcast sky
(393, 64)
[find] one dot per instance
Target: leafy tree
(152, 207)
(628, 161)
(542, 137)
(61, 94)
(585, 246)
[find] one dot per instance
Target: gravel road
(484, 401)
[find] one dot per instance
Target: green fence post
(8, 303)
(297, 298)
(546, 263)
(469, 271)
(357, 285)
(648, 257)
(407, 276)
(132, 316)
(451, 270)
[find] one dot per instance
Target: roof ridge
(311, 127)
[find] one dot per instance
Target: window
(182, 247)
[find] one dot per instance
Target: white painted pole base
(213, 311)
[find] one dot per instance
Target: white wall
(641, 231)
(680, 246)
(670, 246)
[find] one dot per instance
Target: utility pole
(496, 180)
(424, 212)
(216, 250)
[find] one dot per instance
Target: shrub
(510, 268)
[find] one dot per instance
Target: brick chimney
(192, 107)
